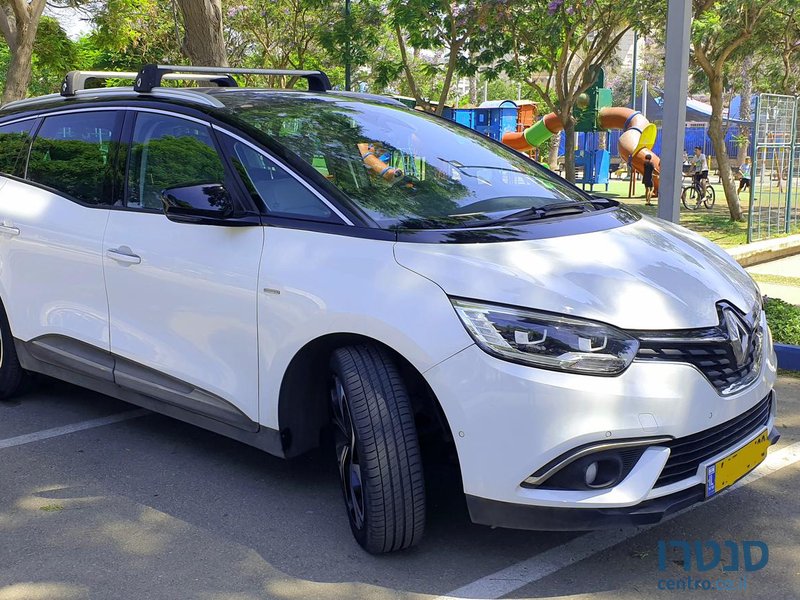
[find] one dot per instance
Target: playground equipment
(595, 113)
(376, 164)
(492, 118)
(637, 140)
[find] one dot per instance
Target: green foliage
(53, 55)
(172, 161)
(784, 321)
(75, 167)
(130, 33)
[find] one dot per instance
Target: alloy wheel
(347, 454)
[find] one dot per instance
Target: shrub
(784, 321)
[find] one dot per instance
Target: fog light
(598, 470)
(591, 473)
(603, 473)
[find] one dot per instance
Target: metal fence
(775, 190)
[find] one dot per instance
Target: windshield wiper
(554, 209)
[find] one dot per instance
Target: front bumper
(508, 421)
(548, 518)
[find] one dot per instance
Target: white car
(273, 264)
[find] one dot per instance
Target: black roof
(211, 99)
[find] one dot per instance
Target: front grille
(711, 351)
(687, 453)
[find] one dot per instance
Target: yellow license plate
(724, 473)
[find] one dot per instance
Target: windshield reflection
(405, 168)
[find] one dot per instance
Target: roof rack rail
(76, 81)
(151, 75)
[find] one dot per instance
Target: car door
(182, 296)
(51, 236)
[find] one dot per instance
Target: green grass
(714, 224)
(784, 321)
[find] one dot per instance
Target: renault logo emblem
(738, 335)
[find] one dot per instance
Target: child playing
(647, 179)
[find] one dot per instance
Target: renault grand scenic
(285, 267)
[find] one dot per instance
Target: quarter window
(279, 192)
(13, 140)
(72, 154)
(169, 152)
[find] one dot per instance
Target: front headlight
(548, 341)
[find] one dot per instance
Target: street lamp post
(633, 70)
(679, 17)
(347, 46)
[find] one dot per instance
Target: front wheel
(377, 450)
(710, 197)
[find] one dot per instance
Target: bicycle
(691, 196)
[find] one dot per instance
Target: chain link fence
(774, 190)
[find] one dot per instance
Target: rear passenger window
(169, 152)
(72, 154)
(13, 139)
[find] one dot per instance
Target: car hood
(648, 275)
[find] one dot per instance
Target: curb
(788, 357)
(765, 250)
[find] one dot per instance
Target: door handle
(124, 255)
(9, 229)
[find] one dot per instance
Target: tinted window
(13, 139)
(169, 152)
(279, 192)
(72, 154)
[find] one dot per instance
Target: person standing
(647, 179)
(700, 172)
(746, 169)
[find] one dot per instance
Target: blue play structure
(492, 118)
(593, 161)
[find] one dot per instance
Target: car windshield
(405, 168)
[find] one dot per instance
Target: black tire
(710, 198)
(12, 376)
(689, 198)
(377, 450)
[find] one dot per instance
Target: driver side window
(169, 152)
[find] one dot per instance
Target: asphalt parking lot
(99, 499)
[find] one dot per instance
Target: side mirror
(207, 203)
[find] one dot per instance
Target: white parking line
(67, 429)
(538, 567)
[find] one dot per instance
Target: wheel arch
(303, 412)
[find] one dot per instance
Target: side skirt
(88, 367)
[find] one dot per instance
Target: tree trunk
(19, 70)
(473, 90)
(448, 77)
(19, 31)
(717, 134)
(555, 142)
(744, 108)
(569, 145)
(203, 41)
